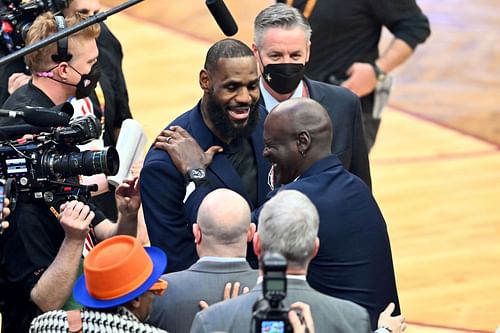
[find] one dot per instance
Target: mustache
(241, 105)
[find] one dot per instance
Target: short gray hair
(288, 224)
(279, 15)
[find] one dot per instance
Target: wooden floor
(436, 164)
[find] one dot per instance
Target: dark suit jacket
(174, 311)
(167, 213)
(330, 314)
(348, 137)
(354, 261)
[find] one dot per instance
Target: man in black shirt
(344, 44)
(42, 249)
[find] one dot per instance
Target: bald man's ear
(303, 142)
(204, 81)
(196, 233)
(251, 232)
(256, 244)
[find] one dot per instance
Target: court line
(444, 327)
(443, 124)
(431, 158)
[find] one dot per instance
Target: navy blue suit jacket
(354, 261)
(344, 110)
(168, 215)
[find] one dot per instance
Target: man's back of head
(223, 225)
(288, 225)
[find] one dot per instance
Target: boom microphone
(222, 16)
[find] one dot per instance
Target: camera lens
(85, 163)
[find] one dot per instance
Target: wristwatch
(197, 176)
(380, 74)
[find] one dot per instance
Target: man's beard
(219, 117)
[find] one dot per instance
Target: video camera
(38, 166)
(269, 313)
(17, 18)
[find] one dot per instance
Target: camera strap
(101, 101)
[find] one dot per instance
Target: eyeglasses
(159, 287)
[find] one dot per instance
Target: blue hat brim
(81, 294)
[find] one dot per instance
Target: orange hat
(118, 270)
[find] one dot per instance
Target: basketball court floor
(436, 163)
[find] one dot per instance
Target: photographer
(42, 248)
(113, 97)
(108, 101)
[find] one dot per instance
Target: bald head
(298, 114)
(223, 221)
(297, 134)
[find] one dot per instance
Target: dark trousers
(370, 124)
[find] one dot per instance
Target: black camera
(17, 18)
(269, 313)
(39, 166)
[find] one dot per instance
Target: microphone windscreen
(65, 107)
(38, 116)
(222, 16)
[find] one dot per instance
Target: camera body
(269, 313)
(38, 167)
(17, 18)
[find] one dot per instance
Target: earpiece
(62, 44)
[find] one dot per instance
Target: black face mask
(87, 82)
(283, 78)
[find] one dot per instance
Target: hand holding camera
(300, 318)
(75, 219)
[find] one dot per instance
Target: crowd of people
(267, 161)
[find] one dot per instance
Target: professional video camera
(17, 18)
(269, 313)
(38, 167)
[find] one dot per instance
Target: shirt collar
(270, 101)
(289, 277)
(221, 259)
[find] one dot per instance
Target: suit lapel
(317, 95)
